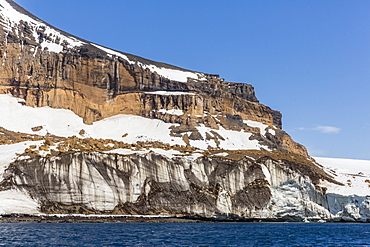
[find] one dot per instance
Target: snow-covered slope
(122, 127)
(354, 174)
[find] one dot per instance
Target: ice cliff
(86, 129)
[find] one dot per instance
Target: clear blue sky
(308, 59)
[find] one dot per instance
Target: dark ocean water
(184, 234)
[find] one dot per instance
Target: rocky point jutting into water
(86, 129)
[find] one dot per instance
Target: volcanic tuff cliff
(96, 130)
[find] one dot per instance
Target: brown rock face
(94, 84)
(85, 85)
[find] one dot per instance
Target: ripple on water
(184, 234)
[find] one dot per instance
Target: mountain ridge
(133, 57)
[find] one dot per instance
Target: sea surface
(184, 234)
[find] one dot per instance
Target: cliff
(152, 183)
(48, 67)
(87, 129)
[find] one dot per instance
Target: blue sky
(308, 59)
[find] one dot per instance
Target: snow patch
(222, 154)
(170, 93)
(112, 52)
(172, 74)
(9, 153)
(271, 131)
(12, 18)
(125, 151)
(259, 125)
(233, 140)
(17, 202)
(167, 153)
(138, 129)
(175, 112)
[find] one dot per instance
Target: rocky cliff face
(48, 67)
(153, 183)
(86, 129)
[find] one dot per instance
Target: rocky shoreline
(16, 218)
